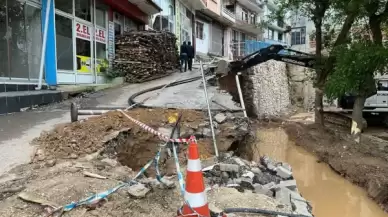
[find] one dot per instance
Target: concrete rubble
(267, 177)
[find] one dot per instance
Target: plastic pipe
(240, 94)
(208, 108)
(44, 45)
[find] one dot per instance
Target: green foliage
(110, 73)
(355, 68)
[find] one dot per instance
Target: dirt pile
(365, 164)
(85, 137)
(114, 134)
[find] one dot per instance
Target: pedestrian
(190, 55)
(183, 56)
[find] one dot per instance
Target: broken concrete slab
(283, 195)
(239, 161)
(296, 196)
(260, 189)
(246, 183)
(248, 174)
(138, 190)
(290, 184)
(283, 172)
(256, 171)
(301, 208)
(229, 168)
(220, 118)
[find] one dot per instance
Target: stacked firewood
(146, 55)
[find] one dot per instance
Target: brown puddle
(330, 194)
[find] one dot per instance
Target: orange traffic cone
(195, 194)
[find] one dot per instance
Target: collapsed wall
(266, 89)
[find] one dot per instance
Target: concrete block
(247, 183)
(270, 185)
(283, 172)
(271, 167)
(290, 184)
(248, 174)
(138, 190)
(220, 118)
(301, 208)
(260, 189)
(287, 166)
(284, 196)
(239, 161)
(229, 168)
(296, 196)
(256, 170)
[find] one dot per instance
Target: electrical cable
(261, 211)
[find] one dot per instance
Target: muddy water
(330, 194)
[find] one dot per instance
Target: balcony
(195, 4)
(149, 7)
(246, 24)
(253, 5)
(228, 15)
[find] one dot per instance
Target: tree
(354, 72)
(319, 12)
(356, 65)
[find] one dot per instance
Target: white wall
(202, 45)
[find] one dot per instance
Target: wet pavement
(19, 129)
(329, 193)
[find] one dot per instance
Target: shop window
(64, 39)
(83, 9)
(83, 49)
(17, 43)
(64, 5)
(34, 39)
(100, 17)
(199, 30)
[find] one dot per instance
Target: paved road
(19, 129)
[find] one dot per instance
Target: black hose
(131, 99)
(261, 211)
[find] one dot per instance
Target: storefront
(81, 40)
(184, 24)
(20, 41)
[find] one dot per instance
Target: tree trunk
(318, 104)
(357, 118)
(318, 111)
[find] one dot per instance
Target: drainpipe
(223, 41)
(193, 33)
(44, 45)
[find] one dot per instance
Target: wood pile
(146, 55)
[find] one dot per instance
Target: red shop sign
(82, 31)
(100, 35)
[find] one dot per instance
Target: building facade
(79, 38)
(301, 31)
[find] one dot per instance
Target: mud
(317, 182)
(363, 164)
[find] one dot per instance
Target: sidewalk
(19, 129)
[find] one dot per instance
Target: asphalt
(19, 129)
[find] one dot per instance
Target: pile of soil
(114, 135)
(84, 137)
(74, 140)
(365, 164)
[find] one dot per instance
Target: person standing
(183, 56)
(190, 55)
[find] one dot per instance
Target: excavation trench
(329, 193)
